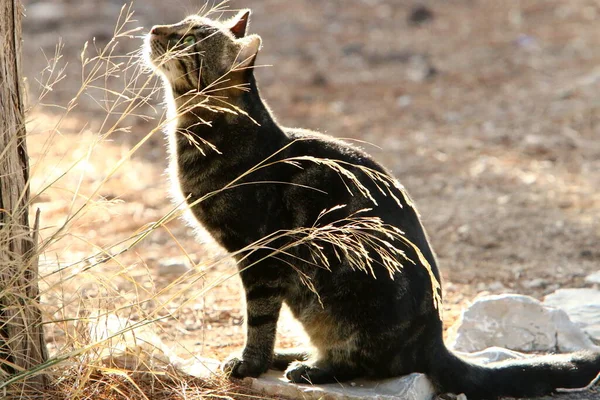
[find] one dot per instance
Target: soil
(488, 112)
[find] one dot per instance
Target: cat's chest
(236, 215)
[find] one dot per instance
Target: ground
(488, 112)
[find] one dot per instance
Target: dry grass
(103, 305)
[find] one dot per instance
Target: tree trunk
(22, 345)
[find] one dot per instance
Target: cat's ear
(250, 45)
(238, 25)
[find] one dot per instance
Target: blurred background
(487, 111)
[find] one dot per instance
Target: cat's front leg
(263, 304)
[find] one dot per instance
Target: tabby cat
(246, 177)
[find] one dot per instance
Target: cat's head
(199, 54)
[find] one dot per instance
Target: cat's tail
(528, 377)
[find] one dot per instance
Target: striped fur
(358, 325)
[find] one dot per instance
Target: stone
(410, 387)
(198, 367)
(174, 266)
(127, 344)
(593, 278)
(419, 15)
(535, 283)
(136, 346)
(582, 306)
(403, 101)
(519, 323)
(496, 286)
(45, 13)
(420, 68)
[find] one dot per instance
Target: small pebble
(535, 283)
(419, 15)
(173, 266)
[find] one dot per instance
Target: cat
(369, 312)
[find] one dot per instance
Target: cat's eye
(189, 40)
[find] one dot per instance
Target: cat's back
(311, 143)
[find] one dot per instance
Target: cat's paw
(240, 368)
(298, 372)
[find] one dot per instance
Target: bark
(22, 345)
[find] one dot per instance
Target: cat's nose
(157, 30)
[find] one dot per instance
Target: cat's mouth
(155, 52)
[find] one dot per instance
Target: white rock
(127, 344)
(199, 367)
(535, 283)
(273, 384)
(519, 323)
(403, 101)
(46, 12)
(582, 306)
(174, 266)
(410, 387)
(593, 278)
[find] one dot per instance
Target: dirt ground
(488, 112)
